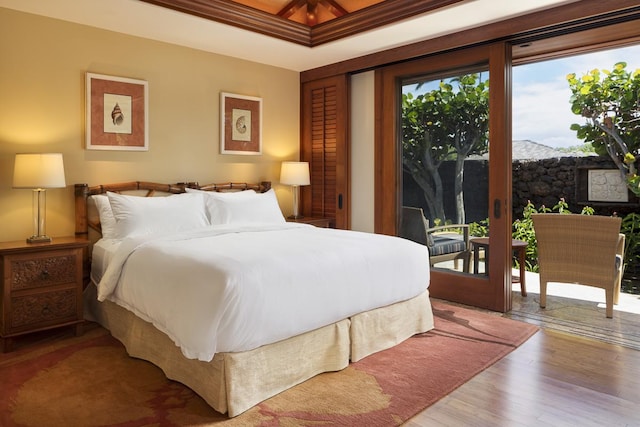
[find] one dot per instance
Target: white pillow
(107, 220)
(251, 208)
(210, 198)
(137, 216)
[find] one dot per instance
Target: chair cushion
(447, 243)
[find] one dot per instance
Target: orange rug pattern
(91, 381)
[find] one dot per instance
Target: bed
(228, 298)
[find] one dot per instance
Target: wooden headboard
(144, 189)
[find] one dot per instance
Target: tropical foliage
(449, 123)
(609, 100)
(631, 229)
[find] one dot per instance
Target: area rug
(90, 381)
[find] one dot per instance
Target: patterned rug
(90, 381)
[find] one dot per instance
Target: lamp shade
(295, 173)
(38, 171)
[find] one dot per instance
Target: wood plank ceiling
(306, 22)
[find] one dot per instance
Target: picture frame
(596, 185)
(240, 124)
(607, 185)
(117, 113)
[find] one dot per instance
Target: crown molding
(248, 18)
(238, 15)
(377, 15)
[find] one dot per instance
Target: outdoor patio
(575, 309)
(579, 310)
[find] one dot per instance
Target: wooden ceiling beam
(334, 7)
(248, 18)
(291, 8)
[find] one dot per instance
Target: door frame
(493, 291)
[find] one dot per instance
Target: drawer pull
(45, 274)
(45, 310)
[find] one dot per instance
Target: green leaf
(620, 65)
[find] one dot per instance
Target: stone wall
(543, 182)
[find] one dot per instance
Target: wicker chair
(582, 249)
(445, 243)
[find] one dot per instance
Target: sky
(541, 109)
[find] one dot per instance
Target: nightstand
(317, 221)
(41, 286)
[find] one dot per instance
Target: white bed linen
(101, 253)
(235, 288)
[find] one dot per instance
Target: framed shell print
(240, 124)
(117, 113)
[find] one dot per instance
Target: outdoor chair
(445, 242)
(582, 249)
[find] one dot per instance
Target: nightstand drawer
(43, 309)
(40, 287)
(47, 269)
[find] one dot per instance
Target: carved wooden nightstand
(317, 221)
(41, 287)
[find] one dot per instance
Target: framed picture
(117, 113)
(607, 185)
(240, 124)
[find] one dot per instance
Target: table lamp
(39, 172)
(295, 174)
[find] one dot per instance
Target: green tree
(610, 101)
(447, 123)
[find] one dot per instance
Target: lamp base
(39, 239)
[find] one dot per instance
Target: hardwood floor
(553, 379)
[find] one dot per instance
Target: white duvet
(230, 289)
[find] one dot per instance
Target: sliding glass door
(445, 164)
(443, 120)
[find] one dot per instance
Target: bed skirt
(385, 327)
(234, 382)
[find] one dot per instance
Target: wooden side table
(41, 287)
(518, 247)
(317, 221)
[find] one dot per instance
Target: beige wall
(362, 151)
(42, 79)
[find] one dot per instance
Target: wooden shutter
(325, 146)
